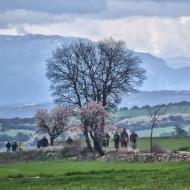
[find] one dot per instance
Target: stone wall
(147, 157)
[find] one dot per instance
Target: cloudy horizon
(159, 27)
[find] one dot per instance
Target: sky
(160, 27)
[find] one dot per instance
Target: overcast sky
(161, 27)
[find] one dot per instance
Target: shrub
(157, 149)
(186, 148)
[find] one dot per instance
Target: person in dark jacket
(107, 138)
(14, 146)
(124, 138)
(116, 139)
(42, 143)
(8, 145)
(69, 140)
(133, 139)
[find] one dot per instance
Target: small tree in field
(93, 116)
(154, 113)
(54, 122)
(180, 132)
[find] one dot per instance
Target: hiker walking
(133, 139)
(69, 141)
(8, 146)
(116, 139)
(107, 138)
(14, 146)
(124, 138)
(20, 146)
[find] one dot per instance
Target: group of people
(14, 146)
(42, 142)
(124, 139)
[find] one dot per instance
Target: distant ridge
(23, 69)
(139, 99)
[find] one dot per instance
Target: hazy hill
(162, 77)
(155, 98)
(22, 111)
(178, 62)
(23, 68)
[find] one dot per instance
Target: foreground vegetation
(74, 175)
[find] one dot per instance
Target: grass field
(74, 175)
(166, 143)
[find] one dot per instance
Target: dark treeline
(182, 103)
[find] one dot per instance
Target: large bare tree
(53, 123)
(84, 71)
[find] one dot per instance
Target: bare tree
(53, 123)
(155, 112)
(86, 71)
(92, 116)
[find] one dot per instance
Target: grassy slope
(171, 109)
(67, 175)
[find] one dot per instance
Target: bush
(186, 148)
(157, 149)
(73, 149)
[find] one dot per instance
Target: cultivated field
(74, 175)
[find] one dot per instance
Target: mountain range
(23, 69)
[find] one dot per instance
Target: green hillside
(172, 108)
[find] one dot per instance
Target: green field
(75, 175)
(159, 131)
(166, 143)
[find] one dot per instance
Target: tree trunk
(89, 146)
(151, 140)
(51, 141)
(97, 144)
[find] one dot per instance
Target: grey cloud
(54, 6)
(163, 8)
(14, 18)
(101, 8)
(21, 12)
